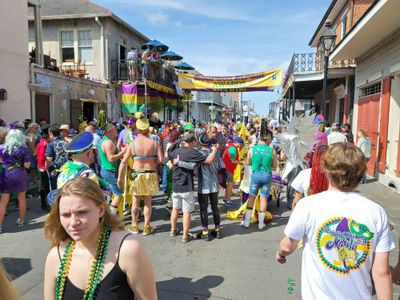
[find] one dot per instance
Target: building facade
(373, 41)
(14, 60)
(81, 42)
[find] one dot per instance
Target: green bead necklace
(96, 268)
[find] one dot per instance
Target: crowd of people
(88, 178)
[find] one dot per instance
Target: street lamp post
(327, 41)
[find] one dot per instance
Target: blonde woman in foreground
(92, 256)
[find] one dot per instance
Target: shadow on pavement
(184, 288)
(16, 267)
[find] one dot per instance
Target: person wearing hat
(262, 159)
(109, 157)
(44, 187)
(183, 183)
(230, 158)
(81, 154)
(64, 128)
(208, 188)
(146, 154)
(188, 128)
(127, 135)
(336, 136)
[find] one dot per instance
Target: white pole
(145, 98)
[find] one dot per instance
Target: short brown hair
(344, 165)
(81, 187)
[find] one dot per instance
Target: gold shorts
(145, 184)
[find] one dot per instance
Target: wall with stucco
(63, 88)
(14, 75)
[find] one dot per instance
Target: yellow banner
(160, 87)
(264, 81)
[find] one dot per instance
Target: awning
(380, 20)
(92, 100)
(160, 87)
(210, 102)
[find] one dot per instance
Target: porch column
(294, 98)
(346, 101)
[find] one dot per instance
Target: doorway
(88, 110)
(42, 108)
(368, 120)
(75, 108)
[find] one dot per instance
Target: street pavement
(241, 265)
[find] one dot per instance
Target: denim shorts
(111, 179)
(229, 177)
(260, 180)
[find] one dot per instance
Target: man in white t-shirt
(346, 237)
(301, 185)
(335, 136)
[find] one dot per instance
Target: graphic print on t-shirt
(343, 244)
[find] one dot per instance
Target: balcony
(156, 72)
(308, 63)
(208, 98)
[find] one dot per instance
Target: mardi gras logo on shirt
(343, 244)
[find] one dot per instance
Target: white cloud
(156, 17)
(201, 8)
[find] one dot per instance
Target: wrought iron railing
(313, 62)
(305, 62)
(155, 72)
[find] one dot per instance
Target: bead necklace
(96, 269)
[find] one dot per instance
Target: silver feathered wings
(298, 138)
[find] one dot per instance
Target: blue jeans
(110, 178)
(261, 180)
(164, 179)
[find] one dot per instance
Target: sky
(228, 37)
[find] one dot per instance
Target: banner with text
(264, 81)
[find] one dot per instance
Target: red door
(384, 122)
(368, 117)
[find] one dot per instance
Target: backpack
(61, 156)
(51, 196)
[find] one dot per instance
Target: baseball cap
(131, 121)
(188, 138)
(188, 127)
(239, 140)
(64, 127)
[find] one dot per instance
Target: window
(67, 46)
(370, 90)
(122, 41)
(344, 26)
(85, 46)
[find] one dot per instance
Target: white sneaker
(19, 223)
(246, 223)
(261, 225)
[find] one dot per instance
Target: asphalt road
(241, 265)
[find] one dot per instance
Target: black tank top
(113, 286)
